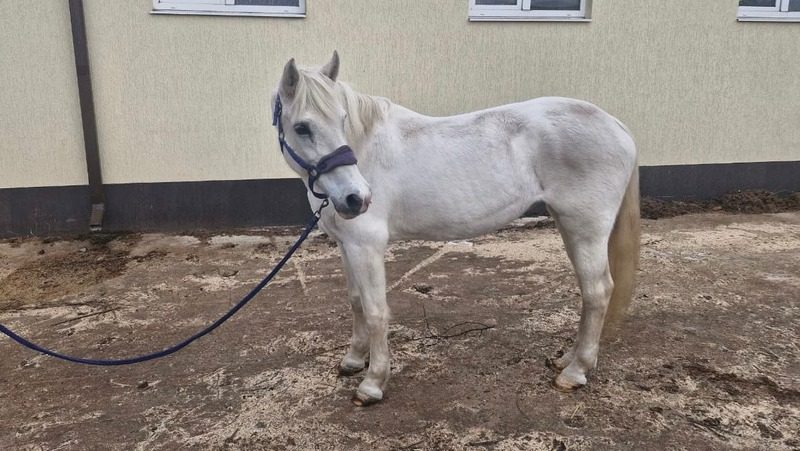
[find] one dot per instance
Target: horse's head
(310, 110)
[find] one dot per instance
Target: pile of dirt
(759, 202)
(53, 276)
(752, 202)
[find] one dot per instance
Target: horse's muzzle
(354, 204)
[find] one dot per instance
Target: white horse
(449, 178)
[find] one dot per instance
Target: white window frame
(226, 8)
(522, 12)
(779, 13)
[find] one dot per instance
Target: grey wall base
(252, 203)
(155, 206)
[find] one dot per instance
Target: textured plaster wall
(41, 143)
(186, 97)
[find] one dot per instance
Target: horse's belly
(452, 230)
(471, 188)
(457, 217)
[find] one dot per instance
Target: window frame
(779, 13)
(522, 12)
(226, 8)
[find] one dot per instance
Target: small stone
(423, 289)
(41, 251)
(83, 249)
(229, 272)
(142, 385)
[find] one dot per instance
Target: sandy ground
(709, 359)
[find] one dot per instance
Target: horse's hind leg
(586, 237)
(355, 359)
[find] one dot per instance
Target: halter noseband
(343, 156)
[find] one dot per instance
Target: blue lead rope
(173, 349)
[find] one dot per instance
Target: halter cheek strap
(343, 156)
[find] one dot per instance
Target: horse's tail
(623, 253)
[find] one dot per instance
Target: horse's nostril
(354, 202)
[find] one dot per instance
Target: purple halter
(343, 156)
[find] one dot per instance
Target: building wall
(185, 98)
(182, 98)
(41, 143)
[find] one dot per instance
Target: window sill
(775, 18)
(178, 12)
(527, 19)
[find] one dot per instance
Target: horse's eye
(302, 129)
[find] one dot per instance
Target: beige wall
(186, 97)
(41, 143)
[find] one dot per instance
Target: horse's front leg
(367, 275)
(355, 359)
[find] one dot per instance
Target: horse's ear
(290, 78)
(331, 70)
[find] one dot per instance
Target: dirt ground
(709, 359)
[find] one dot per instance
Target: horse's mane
(318, 92)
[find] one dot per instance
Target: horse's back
(572, 131)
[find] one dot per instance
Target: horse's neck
(390, 130)
(379, 147)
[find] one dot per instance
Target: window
(769, 10)
(279, 8)
(532, 10)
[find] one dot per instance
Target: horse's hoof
(367, 394)
(346, 371)
(565, 389)
(362, 400)
(564, 385)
